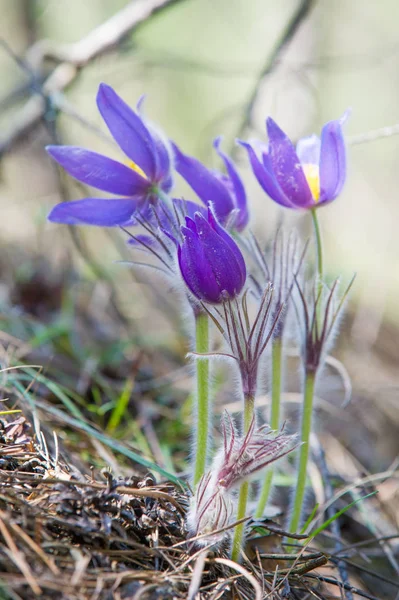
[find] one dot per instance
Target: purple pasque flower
(214, 504)
(210, 261)
(134, 184)
(305, 177)
(225, 191)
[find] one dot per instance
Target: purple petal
(190, 224)
(166, 183)
(162, 153)
(128, 129)
(238, 187)
(265, 176)
(287, 168)
(332, 161)
(205, 184)
(163, 162)
(195, 268)
(94, 211)
(308, 150)
(99, 171)
(222, 233)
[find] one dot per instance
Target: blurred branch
(71, 58)
(300, 14)
(375, 134)
(101, 39)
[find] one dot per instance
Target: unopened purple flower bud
(211, 263)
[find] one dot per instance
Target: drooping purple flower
(225, 191)
(210, 261)
(240, 457)
(139, 181)
(305, 177)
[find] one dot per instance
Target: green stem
(244, 488)
(165, 199)
(163, 196)
(202, 416)
(303, 452)
(277, 353)
(319, 245)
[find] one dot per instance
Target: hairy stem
(303, 451)
(164, 197)
(238, 539)
(202, 416)
(277, 352)
(319, 245)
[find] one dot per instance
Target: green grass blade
(57, 390)
(339, 513)
(121, 406)
(82, 425)
(108, 441)
(78, 422)
(310, 519)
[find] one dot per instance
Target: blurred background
(200, 63)
(207, 68)
(110, 336)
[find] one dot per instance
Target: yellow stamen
(313, 178)
(136, 168)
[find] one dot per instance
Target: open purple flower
(226, 192)
(146, 174)
(210, 261)
(309, 176)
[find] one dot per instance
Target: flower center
(136, 168)
(313, 178)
